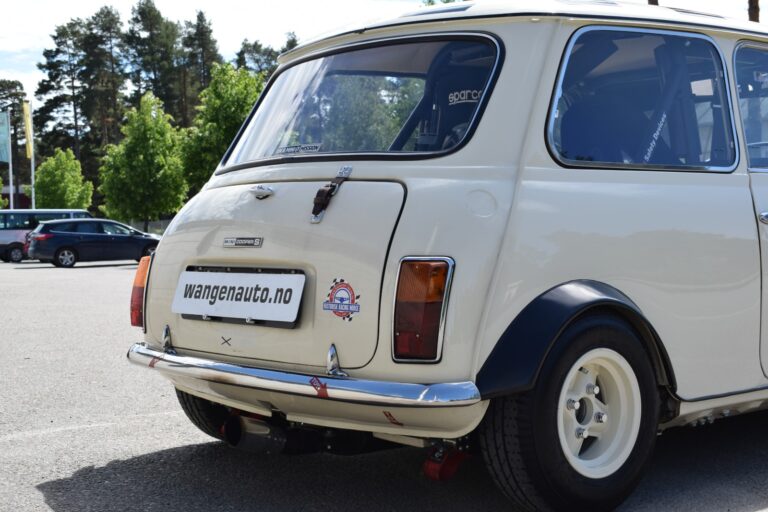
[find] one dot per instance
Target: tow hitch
(444, 459)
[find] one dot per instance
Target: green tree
(59, 182)
(260, 58)
(224, 106)
(3, 202)
(60, 117)
(199, 54)
(153, 46)
(103, 75)
(11, 96)
(141, 178)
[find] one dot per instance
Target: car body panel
(681, 245)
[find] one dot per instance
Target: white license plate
(247, 296)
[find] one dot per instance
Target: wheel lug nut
(601, 417)
(572, 405)
(592, 389)
(581, 433)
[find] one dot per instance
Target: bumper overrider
(446, 410)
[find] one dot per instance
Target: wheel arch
(514, 367)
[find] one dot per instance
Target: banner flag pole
(30, 136)
(10, 157)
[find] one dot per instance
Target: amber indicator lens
(137, 294)
(418, 308)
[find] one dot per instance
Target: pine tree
(199, 53)
(262, 59)
(104, 75)
(60, 118)
(153, 46)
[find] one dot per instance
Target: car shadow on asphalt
(212, 477)
(711, 468)
(49, 266)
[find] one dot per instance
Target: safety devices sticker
(341, 300)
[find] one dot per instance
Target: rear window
(410, 97)
(635, 98)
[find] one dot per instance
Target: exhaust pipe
(254, 435)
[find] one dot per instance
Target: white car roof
(591, 9)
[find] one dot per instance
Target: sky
(26, 26)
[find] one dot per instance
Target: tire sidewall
(570, 486)
(12, 251)
(58, 253)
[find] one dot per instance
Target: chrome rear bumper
(349, 390)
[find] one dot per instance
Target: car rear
(313, 277)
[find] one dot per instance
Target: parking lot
(82, 430)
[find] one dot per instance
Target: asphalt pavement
(83, 430)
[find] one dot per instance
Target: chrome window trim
(443, 310)
(550, 125)
(224, 166)
(746, 43)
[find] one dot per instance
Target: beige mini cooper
(536, 232)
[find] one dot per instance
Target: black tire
(519, 434)
(209, 417)
(15, 253)
(148, 250)
(65, 257)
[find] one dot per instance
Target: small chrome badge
(243, 242)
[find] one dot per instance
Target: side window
(88, 227)
(634, 98)
(66, 227)
(19, 221)
(114, 229)
(81, 215)
(752, 85)
(2, 221)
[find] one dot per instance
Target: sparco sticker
(341, 300)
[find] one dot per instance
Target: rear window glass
(752, 83)
(409, 97)
(634, 98)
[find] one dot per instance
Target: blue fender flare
(515, 362)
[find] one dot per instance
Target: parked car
(65, 242)
(15, 225)
(532, 230)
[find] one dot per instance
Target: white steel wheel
(581, 438)
(599, 413)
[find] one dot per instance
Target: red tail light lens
(137, 294)
(422, 289)
(41, 236)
